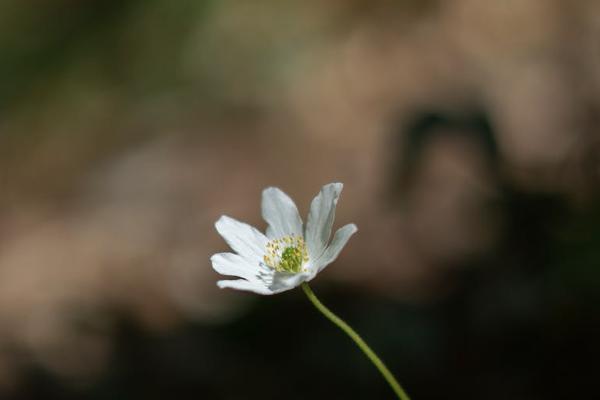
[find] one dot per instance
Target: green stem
(359, 341)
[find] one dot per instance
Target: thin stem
(359, 341)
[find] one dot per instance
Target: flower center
(287, 254)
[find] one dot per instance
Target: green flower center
(287, 254)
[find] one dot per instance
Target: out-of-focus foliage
(465, 131)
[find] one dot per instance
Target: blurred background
(466, 133)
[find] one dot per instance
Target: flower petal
(320, 219)
(244, 239)
(280, 212)
(284, 281)
(248, 286)
(335, 247)
(235, 265)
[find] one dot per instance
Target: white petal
(281, 214)
(247, 286)
(244, 239)
(320, 219)
(235, 265)
(335, 247)
(285, 281)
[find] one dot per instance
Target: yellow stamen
(287, 254)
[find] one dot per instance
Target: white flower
(289, 254)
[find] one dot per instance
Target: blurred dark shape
(425, 127)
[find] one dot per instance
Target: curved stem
(359, 341)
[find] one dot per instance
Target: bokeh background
(466, 133)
